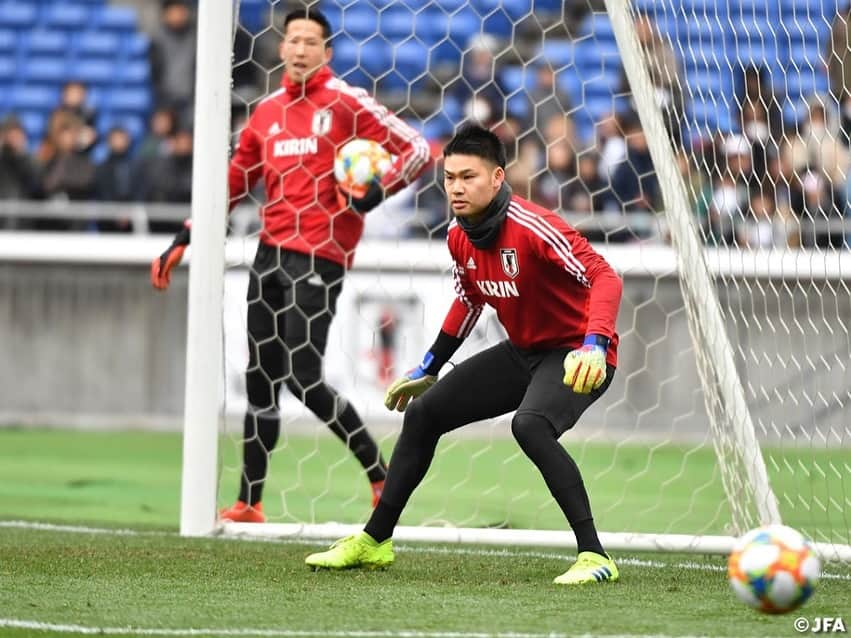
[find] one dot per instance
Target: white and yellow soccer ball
(358, 163)
(773, 569)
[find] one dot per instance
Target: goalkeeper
(307, 243)
(557, 299)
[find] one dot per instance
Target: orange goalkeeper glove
(585, 368)
(161, 266)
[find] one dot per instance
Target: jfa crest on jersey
(508, 256)
(321, 122)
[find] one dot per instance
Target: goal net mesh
(755, 96)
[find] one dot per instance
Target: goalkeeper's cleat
(358, 550)
(377, 489)
(589, 567)
(242, 512)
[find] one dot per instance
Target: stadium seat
(44, 98)
(360, 21)
(396, 23)
(8, 41)
(110, 18)
(93, 72)
(46, 70)
(129, 73)
(66, 16)
(97, 44)
(136, 45)
(8, 72)
(16, 15)
(129, 101)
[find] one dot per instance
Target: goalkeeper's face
(471, 184)
(303, 49)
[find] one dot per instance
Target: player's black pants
(291, 300)
(494, 382)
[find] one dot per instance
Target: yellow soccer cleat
(589, 568)
(351, 552)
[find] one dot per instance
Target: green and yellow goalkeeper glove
(585, 368)
(161, 266)
(412, 385)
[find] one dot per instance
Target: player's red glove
(361, 200)
(161, 266)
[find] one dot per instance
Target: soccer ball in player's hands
(773, 569)
(359, 163)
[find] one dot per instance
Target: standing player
(306, 245)
(557, 299)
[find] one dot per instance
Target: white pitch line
(463, 551)
(13, 623)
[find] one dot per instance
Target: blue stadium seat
(8, 71)
(98, 44)
(396, 23)
(411, 59)
(129, 101)
(43, 98)
(110, 18)
(17, 15)
(597, 25)
(136, 45)
(431, 26)
(134, 73)
(46, 70)
(360, 21)
(40, 42)
(66, 16)
(8, 41)
(94, 71)
(559, 53)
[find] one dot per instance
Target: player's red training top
(291, 140)
(548, 286)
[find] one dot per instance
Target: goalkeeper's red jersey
(291, 140)
(549, 287)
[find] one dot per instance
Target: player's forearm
(605, 299)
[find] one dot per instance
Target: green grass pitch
(149, 581)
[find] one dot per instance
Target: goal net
(703, 147)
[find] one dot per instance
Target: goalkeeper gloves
(161, 266)
(363, 200)
(412, 385)
(585, 368)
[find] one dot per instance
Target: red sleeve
(467, 305)
(374, 122)
(246, 165)
(564, 246)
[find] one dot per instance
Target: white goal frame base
(564, 539)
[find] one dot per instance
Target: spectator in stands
(586, 193)
(74, 100)
(115, 178)
(476, 89)
(160, 129)
(665, 74)
(635, 187)
(173, 58)
(169, 178)
(547, 98)
(18, 170)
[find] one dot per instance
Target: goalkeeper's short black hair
(473, 139)
(314, 15)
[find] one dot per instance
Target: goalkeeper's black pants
(489, 384)
(292, 299)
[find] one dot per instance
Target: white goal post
(714, 341)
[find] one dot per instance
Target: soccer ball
(773, 569)
(358, 163)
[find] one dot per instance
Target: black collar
(483, 234)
